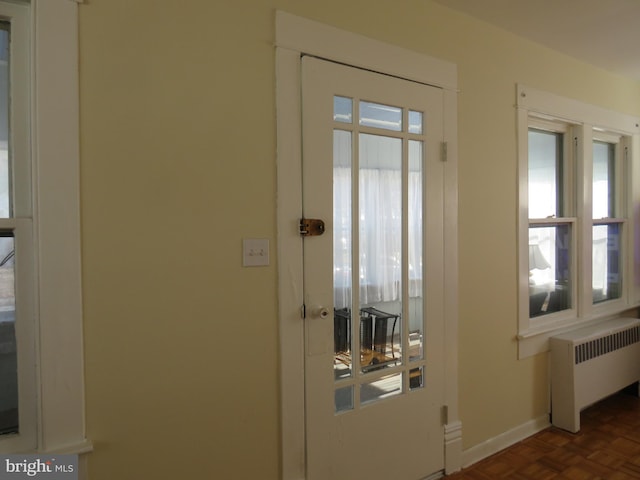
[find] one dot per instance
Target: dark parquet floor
(606, 447)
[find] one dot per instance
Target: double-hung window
(610, 154)
(576, 196)
(552, 221)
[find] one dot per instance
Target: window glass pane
(380, 116)
(382, 388)
(344, 399)
(549, 269)
(380, 274)
(416, 303)
(8, 357)
(606, 264)
(342, 246)
(342, 109)
(415, 122)
(5, 188)
(603, 180)
(545, 174)
(416, 378)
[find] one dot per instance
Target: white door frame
(296, 36)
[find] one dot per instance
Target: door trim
(296, 36)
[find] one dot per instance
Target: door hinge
(444, 152)
(311, 227)
(303, 311)
(445, 414)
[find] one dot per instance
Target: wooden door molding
(296, 36)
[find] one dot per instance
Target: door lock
(311, 227)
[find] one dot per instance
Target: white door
(373, 281)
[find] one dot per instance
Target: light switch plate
(255, 252)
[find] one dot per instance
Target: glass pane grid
(378, 323)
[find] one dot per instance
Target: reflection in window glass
(545, 174)
(8, 355)
(414, 212)
(380, 274)
(380, 116)
(342, 109)
(342, 246)
(606, 262)
(384, 387)
(416, 378)
(603, 180)
(549, 267)
(415, 122)
(5, 206)
(344, 399)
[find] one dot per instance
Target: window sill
(536, 340)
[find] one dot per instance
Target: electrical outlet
(255, 252)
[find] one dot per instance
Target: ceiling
(603, 33)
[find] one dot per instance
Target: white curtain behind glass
(381, 213)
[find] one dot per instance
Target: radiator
(590, 364)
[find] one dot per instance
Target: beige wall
(178, 165)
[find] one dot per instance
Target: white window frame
(53, 419)
(583, 123)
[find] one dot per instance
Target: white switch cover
(255, 252)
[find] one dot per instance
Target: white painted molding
(57, 173)
(290, 274)
(504, 440)
(574, 111)
(452, 447)
(314, 38)
(453, 431)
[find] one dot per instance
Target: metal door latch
(311, 227)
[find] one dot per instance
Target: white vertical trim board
(296, 36)
(56, 154)
(289, 198)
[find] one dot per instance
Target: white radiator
(589, 364)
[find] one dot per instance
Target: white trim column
(55, 120)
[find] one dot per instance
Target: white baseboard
(504, 440)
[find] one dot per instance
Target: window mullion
(523, 221)
(583, 154)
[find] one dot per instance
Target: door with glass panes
(373, 275)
